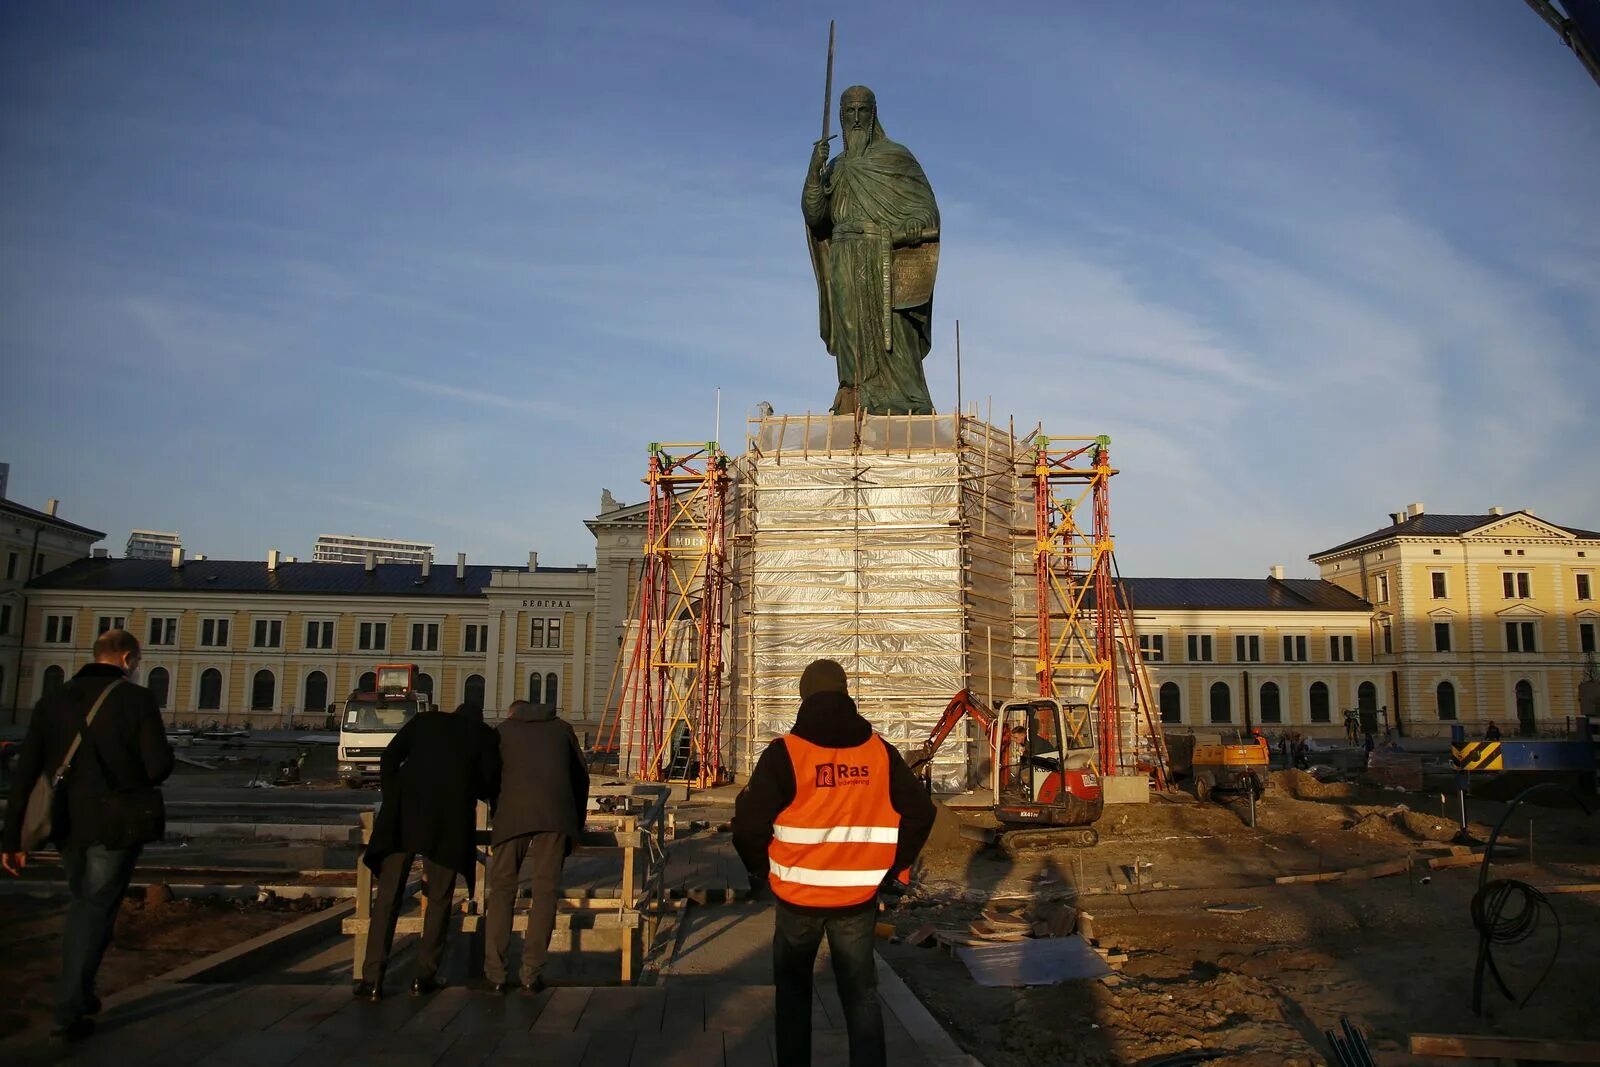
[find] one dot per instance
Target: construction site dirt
(1259, 981)
(154, 934)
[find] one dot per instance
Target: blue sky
(444, 271)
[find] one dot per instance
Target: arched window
(1445, 695)
(159, 683)
(262, 690)
(1526, 723)
(54, 678)
(316, 696)
(1321, 708)
(1171, 702)
(473, 692)
(368, 683)
(1271, 704)
(1221, 702)
(1367, 697)
(425, 684)
(210, 689)
(535, 688)
(551, 685)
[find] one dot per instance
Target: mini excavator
(1042, 772)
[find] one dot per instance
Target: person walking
(112, 806)
(830, 814)
(433, 773)
(1491, 732)
(538, 815)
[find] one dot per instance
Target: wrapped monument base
(884, 543)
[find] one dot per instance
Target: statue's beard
(857, 138)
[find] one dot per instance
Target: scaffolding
(1087, 651)
(670, 708)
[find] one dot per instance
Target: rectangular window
(319, 634)
(1586, 637)
(373, 636)
(1516, 585)
(1387, 629)
(111, 622)
(1153, 648)
(1342, 648)
(1584, 591)
(1199, 648)
(38, 564)
(58, 629)
(1441, 637)
(552, 633)
(424, 637)
(1383, 589)
(213, 633)
(11, 566)
(1247, 648)
(5, 618)
(1294, 648)
(268, 633)
(474, 638)
(536, 633)
(1520, 637)
(1439, 588)
(163, 631)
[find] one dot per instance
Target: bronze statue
(873, 227)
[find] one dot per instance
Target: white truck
(371, 719)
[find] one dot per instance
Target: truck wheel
(1202, 786)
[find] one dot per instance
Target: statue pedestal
(888, 546)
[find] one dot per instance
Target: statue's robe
(863, 200)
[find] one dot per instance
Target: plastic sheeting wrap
(890, 553)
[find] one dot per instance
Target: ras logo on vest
(832, 774)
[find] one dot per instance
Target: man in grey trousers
(544, 793)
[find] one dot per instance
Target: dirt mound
(1304, 786)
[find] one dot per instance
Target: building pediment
(1521, 526)
(1589, 613)
(1520, 611)
(1442, 613)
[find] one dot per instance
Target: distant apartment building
(32, 544)
(348, 548)
(152, 544)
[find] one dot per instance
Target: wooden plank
(564, 1010)
(437, 1011)
(470, 1050)
(752, 1047)
(325, 1004)
(685, 1012)
(704, 1049)
(1441, 862)
(1510, 1048)
(609, 1048)
(1575, 887)
(547, 1049)
(739, 1007)
(625, 1008)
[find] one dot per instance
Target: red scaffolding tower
(1088, 653)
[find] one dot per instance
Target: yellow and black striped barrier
(1477, 756)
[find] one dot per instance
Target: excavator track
(1041, 838)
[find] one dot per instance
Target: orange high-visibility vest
(834, 844)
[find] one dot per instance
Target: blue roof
(252, 576)
(1240, 594)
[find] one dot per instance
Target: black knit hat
(823, 676)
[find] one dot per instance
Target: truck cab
(372, 717)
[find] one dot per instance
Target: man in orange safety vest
(830, 814)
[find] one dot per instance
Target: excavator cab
(1045, 767)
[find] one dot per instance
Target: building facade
(349, 548)
(152, 544)
(32, 543)
(1478, 617)
(272, 643)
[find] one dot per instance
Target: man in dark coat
(433, 774)
(544, 793)
(829, 721)
(124, 750)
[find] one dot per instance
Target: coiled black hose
(1506, 911)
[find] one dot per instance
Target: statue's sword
(827, 87)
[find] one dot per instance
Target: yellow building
(1272, 652)
(274, 643)
(32, 543)
(1476, 617)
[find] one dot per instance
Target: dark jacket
(832, 721)
(544, 784)
(125, 749)
(434, 773)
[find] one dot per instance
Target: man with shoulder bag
(88, 778)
